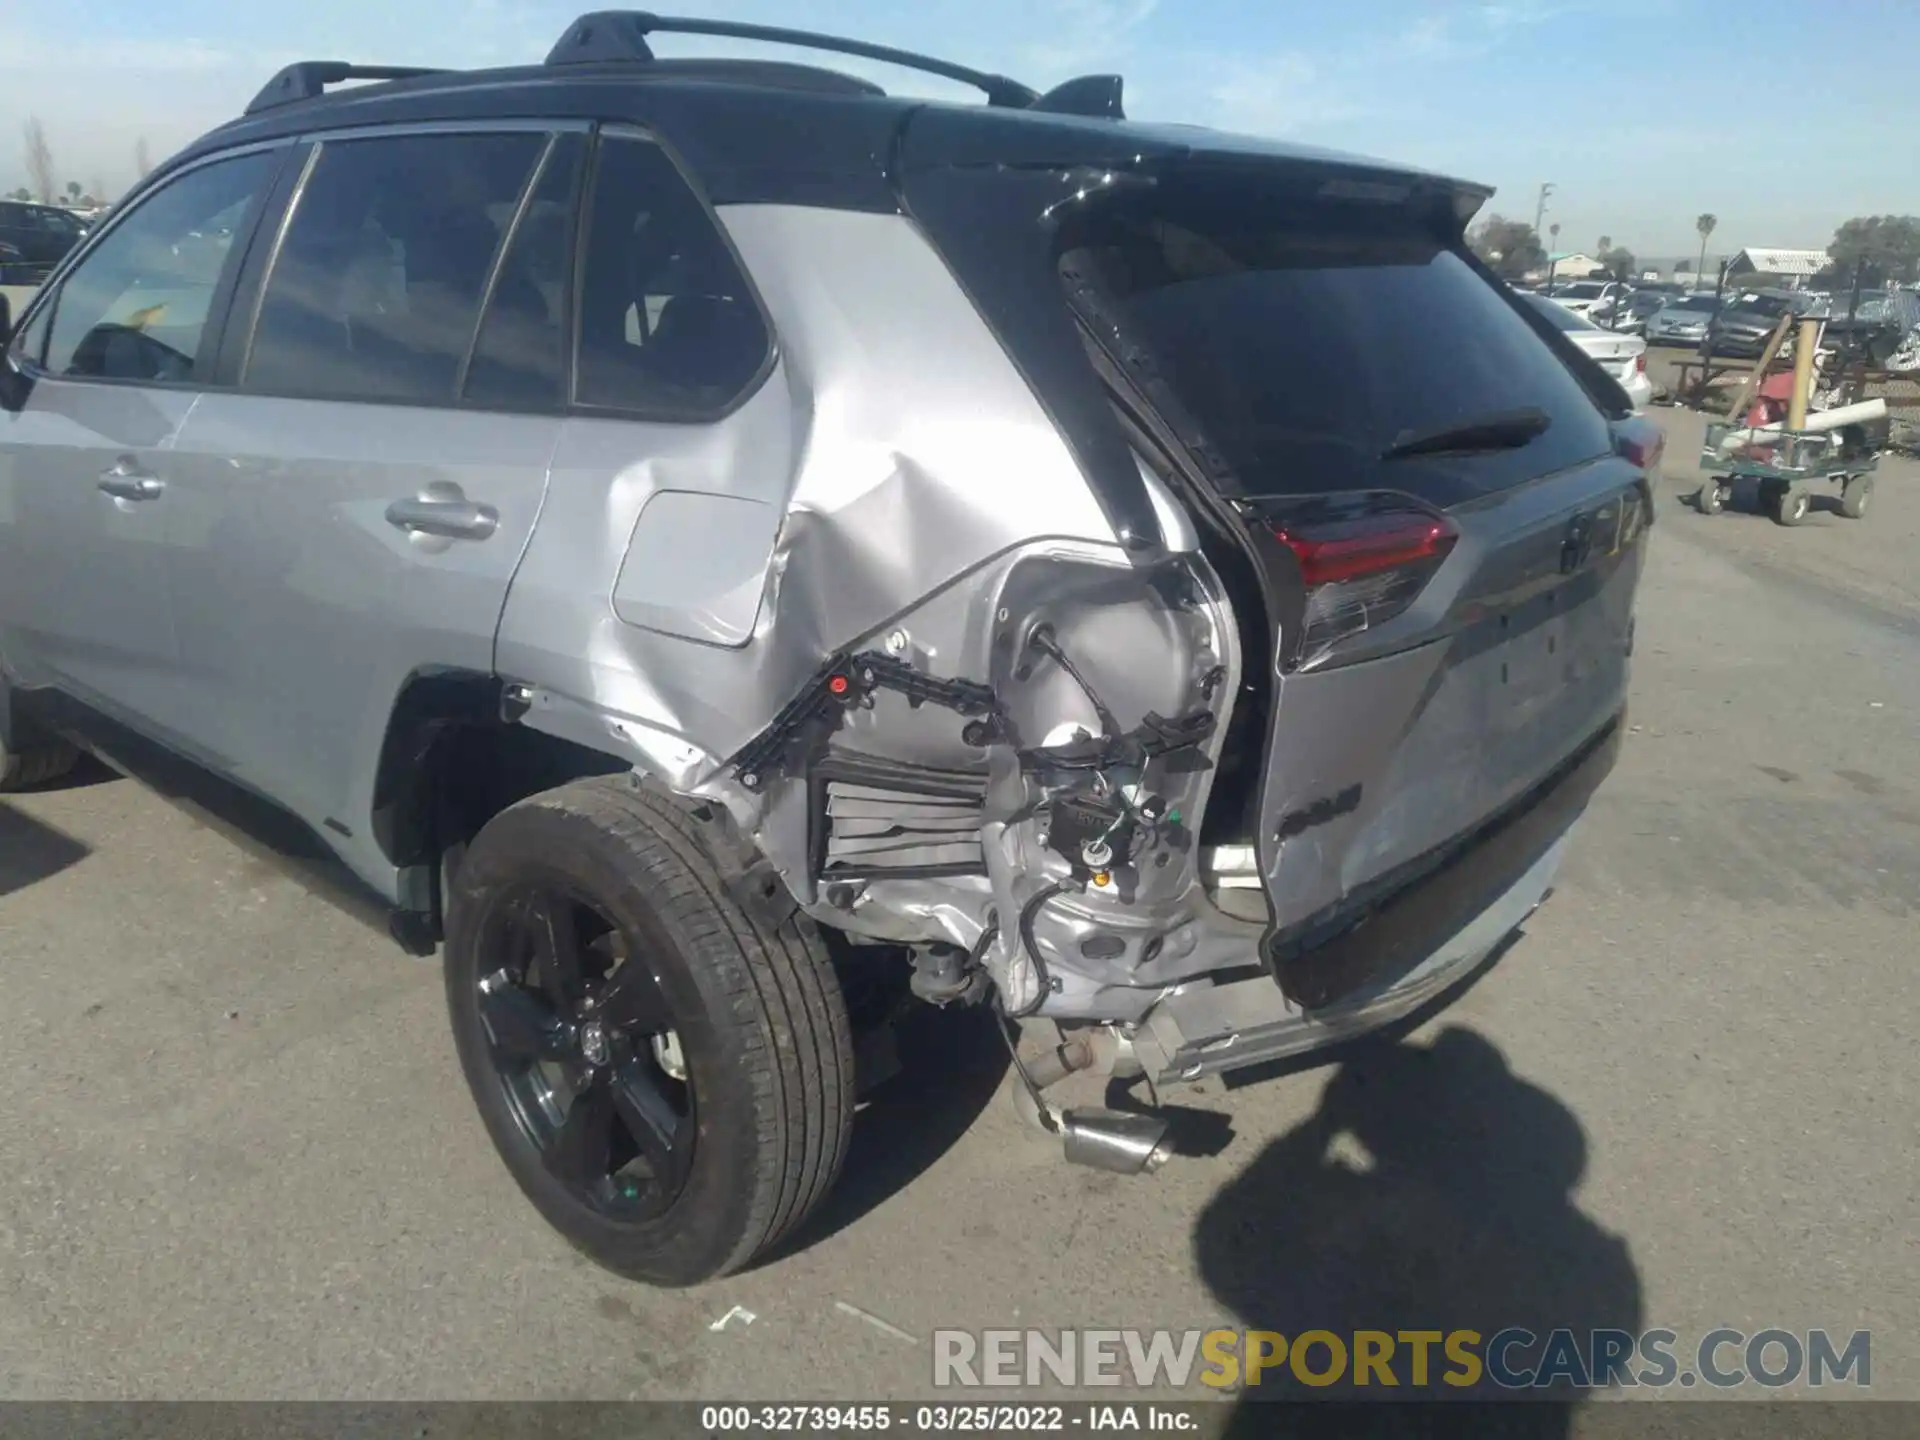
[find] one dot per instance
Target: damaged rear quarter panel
(930, 506)
(900, 446)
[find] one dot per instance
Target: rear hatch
(1423, 477)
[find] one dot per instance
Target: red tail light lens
(1360, 565)
(1640, 362)
(1348, 550)
(1641, 442)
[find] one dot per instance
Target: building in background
(1762, 265)
(1568, 265)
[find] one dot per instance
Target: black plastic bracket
(1154, 736)
(804, 723)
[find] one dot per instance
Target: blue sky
(1637, 110)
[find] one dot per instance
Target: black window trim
(233, 378)
(589, 192)
(218, 304)
(558, 405)
(226, 349)
(316, 142)
(491, 284)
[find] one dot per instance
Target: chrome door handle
(456, 519)
(125, 484)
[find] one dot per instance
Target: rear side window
(1303, 337)
(376, 290)
(668, 324)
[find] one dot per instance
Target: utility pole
(1540, 210)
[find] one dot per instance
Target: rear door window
(1304, 337)
(376, 290)
(519, 356)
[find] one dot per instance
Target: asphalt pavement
(239, 1160)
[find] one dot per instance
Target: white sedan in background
(1583, 297)
(1624, 357)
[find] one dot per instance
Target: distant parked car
(40, 236)
(1881, 325)
(1580, 296)
(1624, 357)
(1625, 313)
(1681, 320)
(1643, 305)
(1744, 326)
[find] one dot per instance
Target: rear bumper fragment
(1387, 927)
(1409, 940)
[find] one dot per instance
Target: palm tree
(1705, 226)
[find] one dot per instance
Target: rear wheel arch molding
(454, 755)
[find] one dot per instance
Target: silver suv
(698, 539)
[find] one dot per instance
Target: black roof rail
(622, 35)
(310, 78)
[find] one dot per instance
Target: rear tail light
(1361, 563)
(1640, 362)
(1641, 442)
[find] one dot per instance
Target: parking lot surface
(239, 1160)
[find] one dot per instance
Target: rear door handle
(123, 482)
(451, 515)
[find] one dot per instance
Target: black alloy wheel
(583, 1046)
(667, 1074)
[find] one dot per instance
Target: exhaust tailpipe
(1113, 1140)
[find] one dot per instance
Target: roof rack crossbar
(621, 35)
(309, 79)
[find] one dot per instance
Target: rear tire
(1855, 495)
(760, 1110)
(35, 765)
(1789, 504)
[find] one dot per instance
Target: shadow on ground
(31, 851)
(1431, 1190)
(952, 1063)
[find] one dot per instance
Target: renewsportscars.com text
(1511, 1359)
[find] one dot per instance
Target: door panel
(83, 575)
(303, 607)
(341, 520)
(108, 369)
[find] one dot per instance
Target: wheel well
(451, 761)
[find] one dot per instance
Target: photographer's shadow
(1431, 1190)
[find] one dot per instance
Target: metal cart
(1787, 464)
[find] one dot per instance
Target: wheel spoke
(663, 1135)
(551, 925)
(581, 1149)
(633, 1002)
(522, 1025)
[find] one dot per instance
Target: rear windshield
(1305, 336)
(1694, 302)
